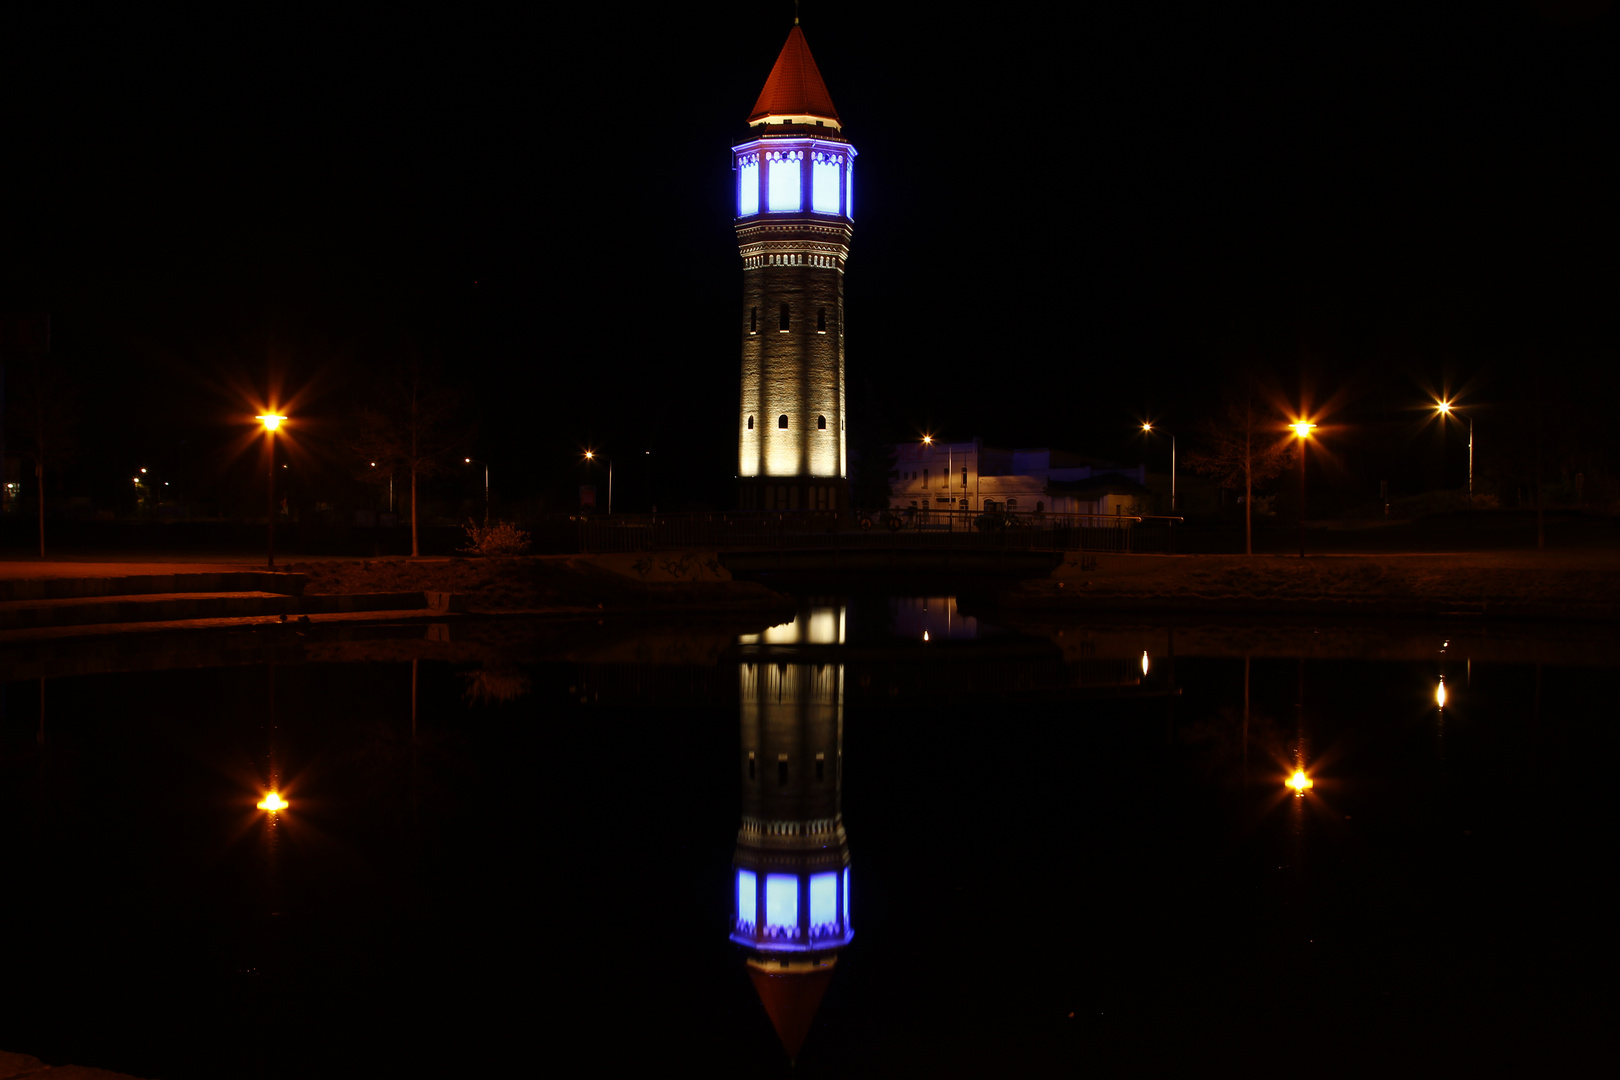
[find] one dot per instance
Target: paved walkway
(24, 1067)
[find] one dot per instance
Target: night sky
(1066, 218)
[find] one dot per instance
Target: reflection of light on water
(1440, 694)
(272, 802)
(1144, 662)
(814, 626)
(1300, 782)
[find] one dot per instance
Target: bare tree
(414, 426)
(1245, 445)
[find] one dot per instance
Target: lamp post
(591, 456)
(485, 464)
(1302, 428)
(1147, 426)
(1444, 408)
(271, 422)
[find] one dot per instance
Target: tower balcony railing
(882, 529)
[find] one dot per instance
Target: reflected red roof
(795, 87)
(791, 1000)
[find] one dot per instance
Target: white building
(938, 475)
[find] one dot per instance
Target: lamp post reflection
(791, 884)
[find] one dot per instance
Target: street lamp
(485, 464)
(271, 422)
(1147, 426)
(1444, 409)
(1302, 428)
(591, 456)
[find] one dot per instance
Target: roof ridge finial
(795, 12)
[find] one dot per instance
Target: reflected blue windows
(786, 193)
(825, 173)
(746, 897)
(747, 185)
(782, 901)
(823, 898)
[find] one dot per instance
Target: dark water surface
(1058, 864)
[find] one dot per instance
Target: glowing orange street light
(271, 422)
(590, 455)
(1440, 693)
(1302, 428)
(1147, 427)
(1300, 782)
(272, 802)
(1444, 409)
(1144, 663)
(928, 440)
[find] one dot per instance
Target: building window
(783, 319)
(821, 320)
(821, 423)
(1040, 507)
(753, 320)
(781, 421)
(925, 478)
(750, 423)
(1012, 505)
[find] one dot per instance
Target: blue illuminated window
(781, 900)
(786, 193)
(846, 896)
(746, 896)
(748, 187)
(824, 176)
(849, 189)
(823, 897)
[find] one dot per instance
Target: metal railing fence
(769, 529)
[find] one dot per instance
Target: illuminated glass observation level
(794, 189)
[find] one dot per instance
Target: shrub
(501, 538)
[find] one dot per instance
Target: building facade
(969, 476)
(794, 221)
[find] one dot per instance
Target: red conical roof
(795, 87)
(791, 998)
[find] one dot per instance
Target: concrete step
(224, 581)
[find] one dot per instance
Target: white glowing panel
(823, 626)
(783, 633)
(824, 177)
(846, 896)
(748, 189)
(785, 193)
(746, 895)
(781, 900)
(823, 897)
(849, 189)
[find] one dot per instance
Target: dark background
(1366, 206)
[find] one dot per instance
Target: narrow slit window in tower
(781, 768)
(783, 319)
(751, 764)
(781, 421)
(750, 423)
(821, 320)
(821, 423)
(753, 320)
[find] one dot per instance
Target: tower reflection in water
(791, 869)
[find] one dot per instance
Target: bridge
(929, 538)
